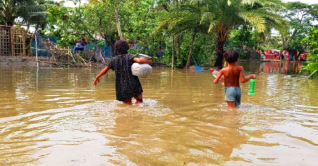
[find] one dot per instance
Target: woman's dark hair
(121, 47)
(231, 55)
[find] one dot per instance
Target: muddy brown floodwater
(53, 117)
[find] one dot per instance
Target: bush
(313, 55)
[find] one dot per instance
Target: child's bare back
(232, 76)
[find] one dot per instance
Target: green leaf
(313, 75)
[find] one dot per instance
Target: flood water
(53, 117)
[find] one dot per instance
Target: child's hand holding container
(141, 70)
(215, 73)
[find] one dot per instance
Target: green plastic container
(251, 90)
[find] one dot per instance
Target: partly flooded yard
(57, 117)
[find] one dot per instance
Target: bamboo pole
(12, 40)
(172, 54)
(23, 42)
(36, 50)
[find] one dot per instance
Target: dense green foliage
(218, 18)
(241, 37)
(312, 43)
(187, 31)
(300, 17)
(311, 68)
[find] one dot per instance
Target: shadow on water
(57, 117)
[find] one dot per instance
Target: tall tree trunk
(280, 54)
(118, 25)
(219, 51)
(292, 37)
(110, 51)
(172, 54)
(286, 42)
(297, 55)
(178, 45)
(110, 47)
(191, 48)
(108, 41)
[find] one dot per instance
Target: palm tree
(30, 11)
(185, 18)
(8, 11)
(36, 14)
(220, 17)
(12, 9)
(224, 15)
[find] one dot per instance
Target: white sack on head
(141, 70)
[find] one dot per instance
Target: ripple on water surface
(71, 135)
(61, 119)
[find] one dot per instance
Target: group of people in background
(276, 55)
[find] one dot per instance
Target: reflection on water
(284, 67)
(57, 117)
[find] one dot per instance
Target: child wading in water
(127, 85)
(232, 75)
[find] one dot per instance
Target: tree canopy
(184, 31)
